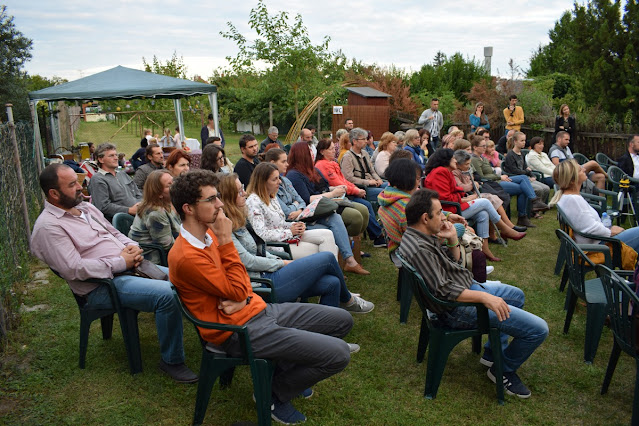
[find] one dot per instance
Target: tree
(15, 50)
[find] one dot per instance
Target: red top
(334, 176)
(441, 179)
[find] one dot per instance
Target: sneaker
(353, 348)
(178, 372)
(380, 242)
(306, 393)
(285, 413)
(358, 306)
(487, 359)
(512, 384)
(489, 269)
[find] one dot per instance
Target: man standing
(273, 133)
(154, 161)
(423, 247)
(76, 241)
(304, 338)
(112, 191)
(433, 121)
(306, 136)
(245, 165)
(513, 114)
(348, 124)
(559, 151)
(629, 161)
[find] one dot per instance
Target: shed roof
(368, 92)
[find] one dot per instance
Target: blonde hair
(410, 135)
(345, 142)
(228, 193)
(490, 143)
(386, 139)
(511, 140)
(565, 175)
(456, 134)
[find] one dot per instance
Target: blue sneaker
(487, 359)
(512, 384)
(285, 413)
(306, 393)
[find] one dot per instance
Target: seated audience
(370, 144)
(560, 151)
(357, 168)
(212, 158)
(387, 145)
(112, 191)
(245, 165)
(271, 137)
(461, 144)
(178, 162)
(538, 161)
(167, 140)
(228, 165)
(154, 161)
(515, 164)
(139, 157)
(292, 205)
(569, 175)
(314, 275)
(439, 177)
(424, 134)
(501, 146)
(157, 221)
(268, 221)
(430, 244)
(414, 146)
(629, 161)
(79, 243)
(344, 146)
(304, 339)
(331, 171)
(492, 156)
(401, 138)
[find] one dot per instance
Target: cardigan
(442, 180)
(247, 250)
(515, 164)
(392, 213)
(304, 187)
(540, 163)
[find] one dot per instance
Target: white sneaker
(489, 269)
(358, 306)
(353, 348)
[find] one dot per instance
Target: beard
(70, 202)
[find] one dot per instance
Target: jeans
(630, 237)
(315, 275)
(304, 338)
(373, 224)
(527, 330)
(147, 295)
(373, 191)
(335, 223)
(481, 210)
(522, 188)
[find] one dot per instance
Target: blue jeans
(630, 237)
(373, 191)
(147, 295)
(527, 330)
(335, 223)
(481, 210)
(373, 225)
(315, 275)
(522, 188)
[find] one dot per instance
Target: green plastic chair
(591, 291)
(128, 324)
(404, 291)
(581, 159)
(440, 341)
(123, 221)
(216, 363)
(621, 301)
(604, 161)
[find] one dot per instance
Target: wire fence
(14, 245)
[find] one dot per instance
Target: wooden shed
(368, 108)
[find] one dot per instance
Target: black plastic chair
(440, 340)
(128, 324)
(404, 291)
(123, 221)
(216, 363)
(622, 307)
(591, 291)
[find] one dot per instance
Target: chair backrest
(622, 306)
(604, 161)
(524, 152)
(577, 262)
(122, 222)
(581, 159)
(615, 174)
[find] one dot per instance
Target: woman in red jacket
(439, 177)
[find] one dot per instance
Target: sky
(74, 39)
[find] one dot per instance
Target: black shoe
(497, 240)
(512, 384)
(519, 228)
(380, 242)
(178, 372)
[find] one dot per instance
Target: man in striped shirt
(430, 244)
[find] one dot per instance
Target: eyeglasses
(241, 191)
(211, 199)
(481, 146)
(361, 139)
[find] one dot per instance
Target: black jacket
(626, 164)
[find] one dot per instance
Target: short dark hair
(347, 119)
(246, 137)
(399, 153)
(561, 134)
(534, 141)
(512, 97)
(186, 189)
(49, 177)
(434, 99)
(210, 117)
(212, 139)
(402, 174)
(441, 157)
(148, 152)
(311, 127)
(208, 160)
(630, 138)
(420, 202)
(273, 154)
(102, 149)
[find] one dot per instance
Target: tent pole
(216, 118)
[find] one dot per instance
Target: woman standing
(478, 119)
(565, 122)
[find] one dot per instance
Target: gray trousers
(304, 339)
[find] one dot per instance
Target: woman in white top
(538, 160)
(387, 145)
(569, 175)
(268, 220)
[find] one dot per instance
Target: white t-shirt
(583, 217)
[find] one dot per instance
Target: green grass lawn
(42, 384)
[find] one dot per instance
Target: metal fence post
(16, 157)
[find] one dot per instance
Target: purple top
(78, 247)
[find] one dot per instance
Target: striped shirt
(392, 213)
(445, 278)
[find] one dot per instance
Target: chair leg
(476, 344)
(438, 352)
(561, 259)
(210, 369)
(131, 336)
(226, 378)
(85, 325)
(424, 336)
(635, 410)
(596, 313)
(262, 373)
(405, 302)
(495, 346)
(571, 302)
(612, 364)
(564, 279)
(399, 284)
(107, 326)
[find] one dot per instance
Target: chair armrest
(599, 248)
(267, 293)
(285, 246)
(454, 204)
(159, 249)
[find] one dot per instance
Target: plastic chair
(123, 221)
(216, 363)
(128, 324)
(604, 161)
(591, 291)
(581, 159)
(404, 291)
(621, 303)
(625, 197)
(441, 340)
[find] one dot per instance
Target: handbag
(318, 209)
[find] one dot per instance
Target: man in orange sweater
(304, 338)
